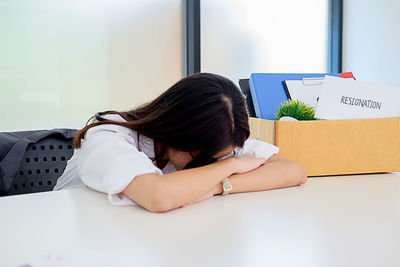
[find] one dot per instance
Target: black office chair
(42, 165)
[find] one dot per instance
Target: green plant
(295, 109)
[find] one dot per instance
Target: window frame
(192, 31)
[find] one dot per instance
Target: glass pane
(240, 37)
(371, 41)
(61, 61)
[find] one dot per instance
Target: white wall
(61, 61)
(371, 40)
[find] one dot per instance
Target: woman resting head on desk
(187, 145)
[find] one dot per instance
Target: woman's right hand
(247, 162)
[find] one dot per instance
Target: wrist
(218, 190)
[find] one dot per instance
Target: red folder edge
(346, 75)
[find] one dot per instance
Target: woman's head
(203, 112)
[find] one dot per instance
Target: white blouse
(110, 158)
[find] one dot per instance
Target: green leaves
(295, 109)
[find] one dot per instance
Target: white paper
(306, 91)
(351, 99)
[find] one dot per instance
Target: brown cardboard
(333, 147)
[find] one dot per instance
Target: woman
(187, 145)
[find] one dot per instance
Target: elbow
(300, 174)
(157, 206)
(151, 193)
(159, 201)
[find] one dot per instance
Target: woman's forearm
(278, 172)
(165, 192)
(187, 185)
(160, 193)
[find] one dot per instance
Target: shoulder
(107, 131)
(256, 148)
(256, 145)
(110, 127)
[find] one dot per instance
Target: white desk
(330, 221)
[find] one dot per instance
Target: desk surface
(330, 221)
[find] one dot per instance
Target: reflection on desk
(330, 221)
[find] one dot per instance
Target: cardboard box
(334, 147)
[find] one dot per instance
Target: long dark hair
(204, 111)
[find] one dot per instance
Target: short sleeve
(257, 148)
(110, 160)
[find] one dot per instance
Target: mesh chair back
(43, 164)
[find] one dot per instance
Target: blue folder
(268, 93)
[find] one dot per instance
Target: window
(240, 37)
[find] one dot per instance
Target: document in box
(306, 91)
(351, 99)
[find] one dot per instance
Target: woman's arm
(160, 193)
(278, 172)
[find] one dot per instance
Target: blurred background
(62, 61)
